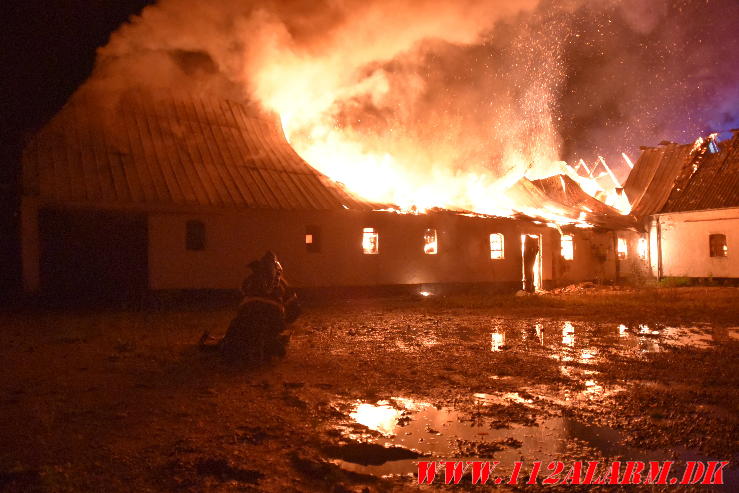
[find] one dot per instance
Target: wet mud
(115, 401)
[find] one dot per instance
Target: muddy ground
(122, 401)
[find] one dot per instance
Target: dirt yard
(123, 401)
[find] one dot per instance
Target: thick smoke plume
(443, 102)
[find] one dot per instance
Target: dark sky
(48, 50)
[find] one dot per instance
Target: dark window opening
(718, 246)
(195, 235)
(313, 239)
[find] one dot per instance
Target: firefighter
(260, 329)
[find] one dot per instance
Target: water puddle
(402, 430)
(573, 342)
(445, 432)
(700, 337)
(387, 437)
(448, 432)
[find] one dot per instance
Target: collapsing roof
(151, 149)
(677, 178)
(147, 149)
(563, 196)
(709, 181)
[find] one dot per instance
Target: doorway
(93, 255)
(531, 268)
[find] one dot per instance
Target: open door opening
(93, 256)
(531, 255)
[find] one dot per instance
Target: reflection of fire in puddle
(497, 341)
(592, 388)
(539, 333)
(587, 355)
(437, 432)
(381, 417)
(700, 337)
(577, 348)
(568, 341)
(649, 339)
(568, 334)
(645, 330)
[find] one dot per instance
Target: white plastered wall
(685, 245)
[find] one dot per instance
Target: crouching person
(260, 329)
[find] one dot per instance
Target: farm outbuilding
(687, 199)
(158, 192)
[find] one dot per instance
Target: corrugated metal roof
(650, 182)
(708, 181)
(674, 178)
(156, 149)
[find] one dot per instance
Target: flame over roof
(151, 149)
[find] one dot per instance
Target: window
(370, 241)
(195, 235)
(430, 243)
(567, 247)
(621, 248)
(718, 246)
(497, 246)
(641, 248)
(313, 239)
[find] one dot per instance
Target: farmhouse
(157, 192)
(686, 198)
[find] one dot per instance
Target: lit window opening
(718, 246)
(622, 248)
(497, 246)
(567, 247)
(430, 243)
(370, 241)
(641, 248)
(312, 239)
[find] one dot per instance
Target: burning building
(153, 191)
(208, 133)
(687, 199)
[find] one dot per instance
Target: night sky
(48, 51)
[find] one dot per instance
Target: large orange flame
(327, 99)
